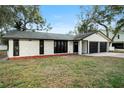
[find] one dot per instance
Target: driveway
(119, 55)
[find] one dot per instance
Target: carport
(94, 43)
(95, 47)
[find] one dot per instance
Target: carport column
(108, 46)
(98, 47)
(80, 47)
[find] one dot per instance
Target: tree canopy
(21, 18)
(109, 18)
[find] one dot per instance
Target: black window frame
(15, 47)
(60, 46)
(41, 46)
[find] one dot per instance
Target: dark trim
(87, 46)
(15, 47)
(41, 50)
(75, 50)
(60, 46)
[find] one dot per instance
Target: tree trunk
(113, 38)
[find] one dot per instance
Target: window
(118, 36)
(16, 47)
(60, 46)
(41, 47)
(118, 45)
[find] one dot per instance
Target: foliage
(86, 23)
(22, 17)
(109, 18)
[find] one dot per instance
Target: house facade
(118, 42)
(22, 44)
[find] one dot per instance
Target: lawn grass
(65, 71)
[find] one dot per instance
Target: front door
(75, 47)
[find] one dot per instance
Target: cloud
(57, 16)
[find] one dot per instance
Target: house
(22, 44)
(118, 42)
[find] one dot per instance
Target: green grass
(66, 71)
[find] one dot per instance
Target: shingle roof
(37, 35)
(45, 36)
(83, 35)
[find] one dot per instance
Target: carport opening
(96, 47)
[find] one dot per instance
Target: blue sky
(61, 17)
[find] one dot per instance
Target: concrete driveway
(119, 55)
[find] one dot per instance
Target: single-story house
(22, 44)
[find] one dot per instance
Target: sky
(62, 18)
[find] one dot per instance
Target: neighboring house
(28, 43)
(118, 42)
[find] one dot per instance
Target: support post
(98, 47)
(80, 47)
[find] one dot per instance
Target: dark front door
(75, 45)
(103, 46)
(93, 47)
(15, 47)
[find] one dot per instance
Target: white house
(118, 42)
(22, 44)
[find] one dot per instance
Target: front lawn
(64, 71)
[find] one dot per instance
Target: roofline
(98, 33)
(105, 36)
(37, 38)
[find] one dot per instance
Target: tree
(109, 18)
(106, 16)
(22, 18)
(86, 23)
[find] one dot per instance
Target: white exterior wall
(31, 47)
(48, 47)
(10, 50)
(96, 37)
(28, 47)
(84, 47)
(70, 46)
(121, 39)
